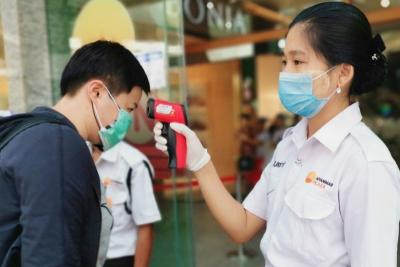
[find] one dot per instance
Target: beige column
(27, 53)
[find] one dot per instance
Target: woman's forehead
(297, 42)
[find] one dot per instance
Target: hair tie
(378, 43)
(378, 46)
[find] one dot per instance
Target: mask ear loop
(96, 115)
(99, 124)
(319, 76)
(338, 89)
(112, 98)
(336, 92)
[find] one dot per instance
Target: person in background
(127, 176)
(296, 119)
(277, 128)
(264, 151)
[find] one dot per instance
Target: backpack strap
(12, 128)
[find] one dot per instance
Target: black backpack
(10, 127)
(13, 125)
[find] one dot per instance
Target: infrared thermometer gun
(166, 113)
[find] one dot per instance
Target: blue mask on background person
(296, 93)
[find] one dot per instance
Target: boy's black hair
(108, 61)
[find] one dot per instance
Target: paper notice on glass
(154, 64)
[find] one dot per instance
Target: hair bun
(378, 43)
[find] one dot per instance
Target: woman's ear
(346, 75)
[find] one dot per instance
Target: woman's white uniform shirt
(331, 200)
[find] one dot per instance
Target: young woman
(331, 194)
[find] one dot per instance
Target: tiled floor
(202, 244)
(213, 246)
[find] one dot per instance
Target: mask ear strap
(97, 117)
(337, 91)
(112, 98)
(319, 76)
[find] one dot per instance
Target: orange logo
(311, 177)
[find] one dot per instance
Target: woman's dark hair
(341, 33)
(108, 61)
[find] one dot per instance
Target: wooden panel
(265, 13)
(384, 16)
(221, 83)
(268, 68)
(242, 39)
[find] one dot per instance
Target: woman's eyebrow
(297, 53)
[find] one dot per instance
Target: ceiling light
(281, 43)
(385, 3)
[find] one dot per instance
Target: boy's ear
(95, 89)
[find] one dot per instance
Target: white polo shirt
(114, 165)
(331, 200)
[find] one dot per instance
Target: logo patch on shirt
(313, 178)
(278, 164)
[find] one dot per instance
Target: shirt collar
(332, 134)
(299, 133)
(110, 155)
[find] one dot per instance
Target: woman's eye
(284, 62)
(298, 62)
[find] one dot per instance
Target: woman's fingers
(157, 128)
(161, 140)
(161, 147)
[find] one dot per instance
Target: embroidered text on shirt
(278, 164)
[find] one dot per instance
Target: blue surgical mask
(296, 93)
(114, 133)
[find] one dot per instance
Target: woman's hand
(197, 155)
